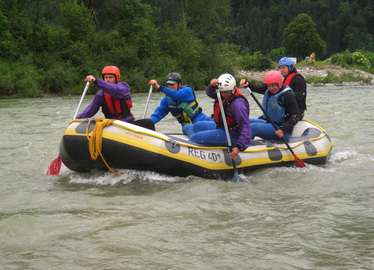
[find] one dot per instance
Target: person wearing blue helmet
(291, 78)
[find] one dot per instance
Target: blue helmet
(286, 61)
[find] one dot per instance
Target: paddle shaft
(54, 168)
(225, 124)
(224, 118)
(81, 100)
(149, 97)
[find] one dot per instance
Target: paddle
(54, 168)
(299, 162)
(236, 177)
(149, 97)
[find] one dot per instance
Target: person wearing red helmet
(281, 106)
(113, 97)
(291, 78)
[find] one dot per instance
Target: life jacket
(184, 111)
(116, 108)
(271, 105)
(231, 121)
(287, 80)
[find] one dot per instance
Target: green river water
(319, 217)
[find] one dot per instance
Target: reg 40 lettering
(204, 155)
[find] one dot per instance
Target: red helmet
(274, 76)
(111, 70)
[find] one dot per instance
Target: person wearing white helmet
(236, 109)
(291, 78)
(280, 105)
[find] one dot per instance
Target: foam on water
(342, 156)
(126, 176)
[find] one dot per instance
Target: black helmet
(173, 78)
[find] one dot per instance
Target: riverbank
(317, 71)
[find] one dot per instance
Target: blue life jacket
(271, 105)
(184, 111)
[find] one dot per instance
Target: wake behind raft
(127, 146)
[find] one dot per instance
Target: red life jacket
(116, 108)
(231, 122)
(287, 80)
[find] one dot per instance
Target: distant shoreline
(314, 71)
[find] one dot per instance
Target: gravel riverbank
(313, 71)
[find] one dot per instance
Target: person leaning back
(179, 100)
(114, 98)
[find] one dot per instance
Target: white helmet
(226, 82)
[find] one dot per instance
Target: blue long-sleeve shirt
(119, 90)
(184, 94)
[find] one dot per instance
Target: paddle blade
(236, 178)
(54, 168)
(299, 162)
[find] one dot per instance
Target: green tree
(77, 19)
(300, 38)
(7, 47)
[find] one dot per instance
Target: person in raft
(280, 104)
(114, 98)
(291, 78)
(179, 100)
(236, 109)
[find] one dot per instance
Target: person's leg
(287, 136)
(215, 137)
(264, 130)
(256, 120)
(204, 125)
(207, 118)
(197, 127)
(146, 123)
(187, 129)
(256, 125)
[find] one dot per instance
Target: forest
(49, 46)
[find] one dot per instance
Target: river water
(319, 217)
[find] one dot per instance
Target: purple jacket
(118, 90)
(239, 110)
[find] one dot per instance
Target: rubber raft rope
(95, 141)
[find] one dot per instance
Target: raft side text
(204, 155)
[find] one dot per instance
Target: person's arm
(183, 94)
(288, 101)
(257, 88)
(298, 86)
(211, 90)
(239, 110)
(161, 111)
(94, 107)
(117, 90)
